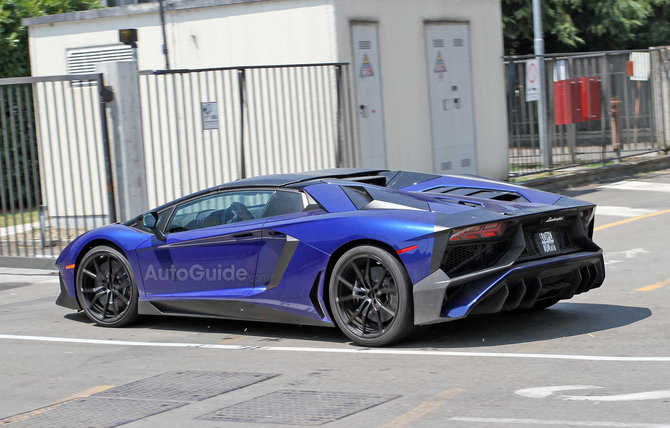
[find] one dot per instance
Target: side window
(284, 202)
(220, 209)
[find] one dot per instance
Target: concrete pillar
(665, 92)
(125, 135)
(660, 98)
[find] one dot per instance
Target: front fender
(123, 237)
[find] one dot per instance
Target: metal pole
(339, 162)
(242, 84)
(161, 10)
(542, 101)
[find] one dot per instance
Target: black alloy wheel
(106, 287)
(370, 297)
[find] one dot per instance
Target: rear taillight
(586, 218)
(483, 231)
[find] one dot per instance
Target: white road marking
(371, 351)
(548, 391)
(648, 186)
(629, 254)
(536, 422)
(637, 396)
(621, 211)
(613, 257)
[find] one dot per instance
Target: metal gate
(200, 128)
(211, 126)
(610, 105)
(49, 128)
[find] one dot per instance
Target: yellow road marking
(423, 408)
(655, 286)
(31, 413)
(632, 219)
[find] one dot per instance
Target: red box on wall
(561, 101)
(568, 101)
(577, 100)
(591, 108)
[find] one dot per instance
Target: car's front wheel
(370, 296)
(106, 287)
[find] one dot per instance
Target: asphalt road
(599, 359)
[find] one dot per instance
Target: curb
(562, 182)
(27, 262)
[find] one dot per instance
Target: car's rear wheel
(370, 297)
(106, 287)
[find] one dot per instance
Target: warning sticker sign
(366, 68)
(440, 66)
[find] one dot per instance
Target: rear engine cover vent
(498, 195)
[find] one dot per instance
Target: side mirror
(150, 221)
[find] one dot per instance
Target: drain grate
(91, 412)
(185, 385)
(136, 400)
(298, 407)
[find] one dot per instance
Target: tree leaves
(593, 25)
(14, 56)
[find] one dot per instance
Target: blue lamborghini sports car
(373, 252)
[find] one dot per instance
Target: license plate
(548, 242)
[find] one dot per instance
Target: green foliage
(587, 25)
(14, 58)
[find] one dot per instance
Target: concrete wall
(279, 32)
(262, 33)
(49, 43)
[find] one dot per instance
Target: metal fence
(211, 126)
(51, 126)
(624, 117)
(56, 176)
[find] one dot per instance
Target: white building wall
(263, 33)
(49, 43)
(404, 75)
(305, 31)
(277, 32)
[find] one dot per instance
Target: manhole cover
(298, 407)
(185, 385)
(91, 412)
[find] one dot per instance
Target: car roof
(383, 177)
(281, 180)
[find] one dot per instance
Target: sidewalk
(20, 277)
(577, 176)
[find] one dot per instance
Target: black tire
(370, 297)
(106, 287)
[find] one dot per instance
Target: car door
(286, 209)
(211, 247)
